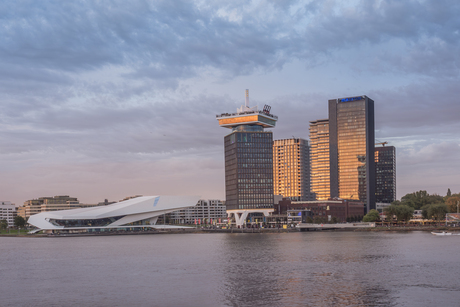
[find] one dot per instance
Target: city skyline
(122, 100)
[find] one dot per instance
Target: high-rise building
(291, 169)
(248, 161)
(385, 174)
(351, 147)
(319, 159)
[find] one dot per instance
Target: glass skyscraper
(319, 159)
(291, 169)
(385, 174)
(249, 168)
(351, 146)
(248, 158)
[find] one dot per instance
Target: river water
(276, 269)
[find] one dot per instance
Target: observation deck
(248, 116)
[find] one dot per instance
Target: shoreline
(241, 230)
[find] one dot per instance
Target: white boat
(442, 233)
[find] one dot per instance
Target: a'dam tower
(248, 162)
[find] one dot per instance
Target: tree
(438, 211)
(3, 224)
(451, 203)
(334, 220)
(418, 199)
(372, 216)
(404, 213)
(449, 193)
(389, 212)
(309, 220)
(425, 212)
(19, 221)
(319, 220)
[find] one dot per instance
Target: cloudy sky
(106, 99)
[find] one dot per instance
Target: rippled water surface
(279, 269)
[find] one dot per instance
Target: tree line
(433, 207)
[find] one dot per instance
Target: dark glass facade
(351, 143)
(249, 168)
(385, 174)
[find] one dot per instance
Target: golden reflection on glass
(351, 138)
(319, 159)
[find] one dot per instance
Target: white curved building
(139, 212)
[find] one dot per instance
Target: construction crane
(382, 143)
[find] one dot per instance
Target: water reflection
(293, 269)
(299, 269)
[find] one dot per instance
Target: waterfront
(239, 269)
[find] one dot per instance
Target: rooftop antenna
(246, 103)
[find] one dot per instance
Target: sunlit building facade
(291, 170)
(351, 146)
(319, 159)
(385, 174)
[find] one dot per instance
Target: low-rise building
(342, 210)
(56, 203)
(7, 212)
(206, 211)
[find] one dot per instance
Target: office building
(291, 169)
(7, 212)
(385, 174)
(319, 159)
(351, 148)
(248, 161)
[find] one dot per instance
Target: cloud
(102, 83)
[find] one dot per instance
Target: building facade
(291, 169)
(351, 148)
(140, 213)
(206, 211)
(56, 203)
(7, 212)
(248, 161)
(385, 174)
(319, 159)
(325, 210)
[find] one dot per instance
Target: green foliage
(390, 212)
(425, 212)
(334, 220)
(3, 224)
(418, 199)
(402, 212)
(309, 220)
(437, 211)
(319, 220)
(19, 221)
(451, 203)
(449, 193)
(372, 216)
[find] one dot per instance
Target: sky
(107, 99)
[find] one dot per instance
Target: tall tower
(291, 169)
(319, 159)
(351, 146)
(248, 162)
(385, 174)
